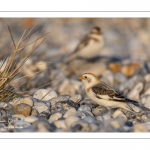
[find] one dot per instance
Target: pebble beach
(57, 101)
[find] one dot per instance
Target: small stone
(15, 101)
(135, 92)
(129, 124)
(23, 109)
(115, 67)
(21, 124)
(60, 124)
(43, 125)
(115, 124)
(41, 65)
(120, 78)
(146, 93)
(130, 69)
(80, 126)
(89, 119)
(44, 114)
(84, 108)
(81, 114)
(40, 106)
(70, 112)
(100, 118)
(119, 113)
(147, 78)
(55, 117)
(19, 116)
(44, 94)
(99, 110)
(139, 128)
(27, 100)
(66, 87)
(30, 119)
(106, 117)
(76, 98)
(34, 112)
(71, 120)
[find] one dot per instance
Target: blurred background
(125, 51)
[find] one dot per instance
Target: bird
(105, 95)
(89, 47)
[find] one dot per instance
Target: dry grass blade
(11, 69)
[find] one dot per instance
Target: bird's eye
(85, 77)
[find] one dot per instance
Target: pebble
(66, 87)
(100, 118)
(30, 119)
(146, 93)
(19, 116)
(89, 119)
(71, 112)
(44, 94)
(139, 128)
(81, 114)
(119, 113)
(120, 78)
(40, 106)
(71, 120)
(41, 65)
(34, 112)
(27, 100)
(84, 108)
(21, 124)
(60, 124)
(99, 110)
(134, 94)
(23, 109)
(80, 126)
(55, 117)
(113, 125)
(76, 98)
(43, 125)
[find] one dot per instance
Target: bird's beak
(80, 78)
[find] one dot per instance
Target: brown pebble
(23, 109)
(115, 67)
(130, 69)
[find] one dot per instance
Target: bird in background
(89, 47)
(105, 95)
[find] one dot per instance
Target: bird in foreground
(89, 47)
(105, 95)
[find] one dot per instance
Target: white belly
(92, 50)
(108, 103)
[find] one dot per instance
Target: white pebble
(19, 116)
(55, 117)
(60, 124)
(70, 112)
(71, 120)
(40, 107)
(27, 100)
(119, 113)
(44, 94)
(30, 119)
(135, 92)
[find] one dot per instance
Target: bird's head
(96, 30)
(89, 79)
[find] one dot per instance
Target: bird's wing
(104, 91)
(84, 42)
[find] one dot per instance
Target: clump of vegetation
(11, 65)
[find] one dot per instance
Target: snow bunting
(105, 95)
(89, 46)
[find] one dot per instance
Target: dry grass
(11, 65)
